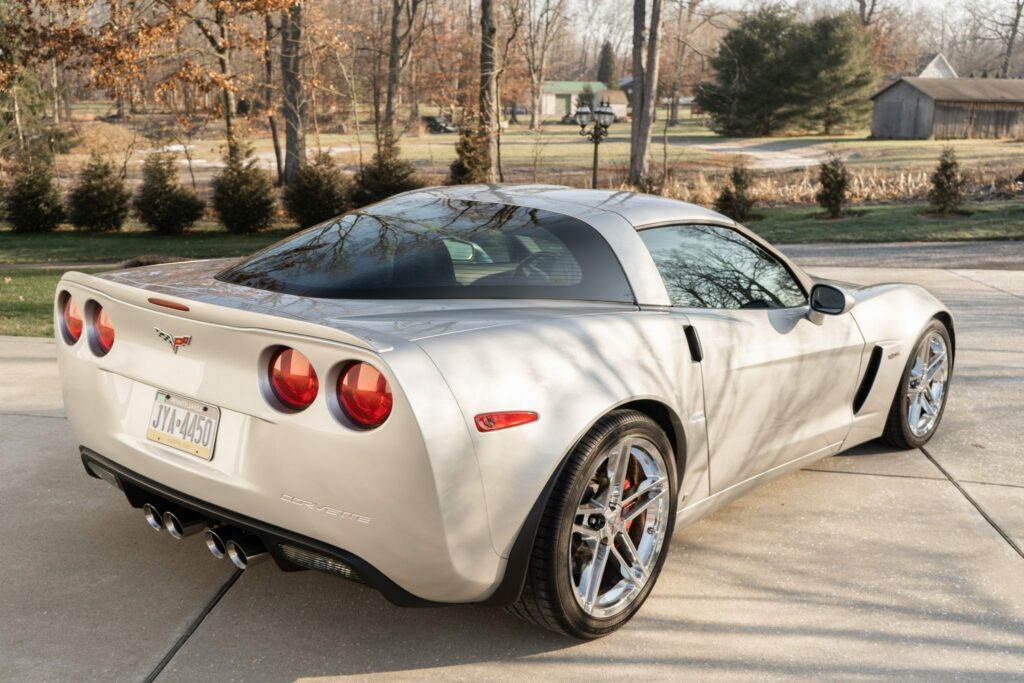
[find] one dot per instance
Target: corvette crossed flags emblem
(175, 342)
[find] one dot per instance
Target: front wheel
(606, 529)
(921, 397)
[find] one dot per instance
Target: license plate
(184, 424)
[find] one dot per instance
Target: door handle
(693, 341)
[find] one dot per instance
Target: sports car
(509, 395)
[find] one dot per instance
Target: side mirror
(828, 300)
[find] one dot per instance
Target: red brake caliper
(625, 487)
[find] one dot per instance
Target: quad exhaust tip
(182, 524)
(217, 538)
(245, 550)
(153, 517)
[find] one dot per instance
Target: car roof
(635, 207)
(612, 213)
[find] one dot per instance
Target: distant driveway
(777, 154)
(986, 255)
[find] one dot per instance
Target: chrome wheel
(620, 526)
(926, 385)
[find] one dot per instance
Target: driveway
(765, 153)
(873, 564)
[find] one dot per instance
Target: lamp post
(599, 120)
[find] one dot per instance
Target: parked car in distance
(439, 124)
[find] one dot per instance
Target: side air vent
(869, 379)
(312, 560)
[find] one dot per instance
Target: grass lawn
(69, 246)
(26, 297)
(790, 224)
(26, 301)
(892, 223)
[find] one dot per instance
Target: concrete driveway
(875, 564)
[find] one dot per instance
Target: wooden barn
(948, 108)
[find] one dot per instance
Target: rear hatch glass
(417, 246)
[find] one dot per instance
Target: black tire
(548, 598)
(897, 428)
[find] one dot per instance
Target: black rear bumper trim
(140, 490)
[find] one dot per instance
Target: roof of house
(1008, 90)
(935, 65)
(615, 97)
(573, 87)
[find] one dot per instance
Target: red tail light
(293, 379)
(492, 422)
(73, 321)
(104, 330)
(364, 395)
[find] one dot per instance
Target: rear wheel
(605, 532)
(921, 397)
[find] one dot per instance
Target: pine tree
(387, 174)
(32, 200)
(162, 203)
(243, 195)
(948, 184)
(835, 181)
(471, 163)
(99, 200)
(752, 93)
(775, 72)
(606, 66)
(735, 200)
(318, 192)
(835, 74)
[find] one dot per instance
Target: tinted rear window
(422, 247)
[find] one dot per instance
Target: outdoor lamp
(583, 116)
(604, 114)
(600, 118)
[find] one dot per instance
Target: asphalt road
(870, 565)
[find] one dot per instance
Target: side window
(707, 266)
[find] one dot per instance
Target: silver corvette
(486, 394)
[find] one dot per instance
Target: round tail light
(104, 330)
(293, 379)
(364, 395)
(73, 321)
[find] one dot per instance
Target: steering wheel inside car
(531, 268)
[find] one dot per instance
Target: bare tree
(512, 20)
(646, 39)
(404, 32)
(489, 86)
(1002, 21)
(294, 93)
(544, 21)
(867, 11)
(679, 55)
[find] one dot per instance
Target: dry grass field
(690, 152)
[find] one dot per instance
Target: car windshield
(415, 246)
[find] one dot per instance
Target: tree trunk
(268, 64)
(294, 95)
(394, 64)
(488, 86)
(277, 149)
(227, 93)
(645, 85)
(55, 87)
(1011, 39)
(17, 119)
(414, 98)
(534, 104)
